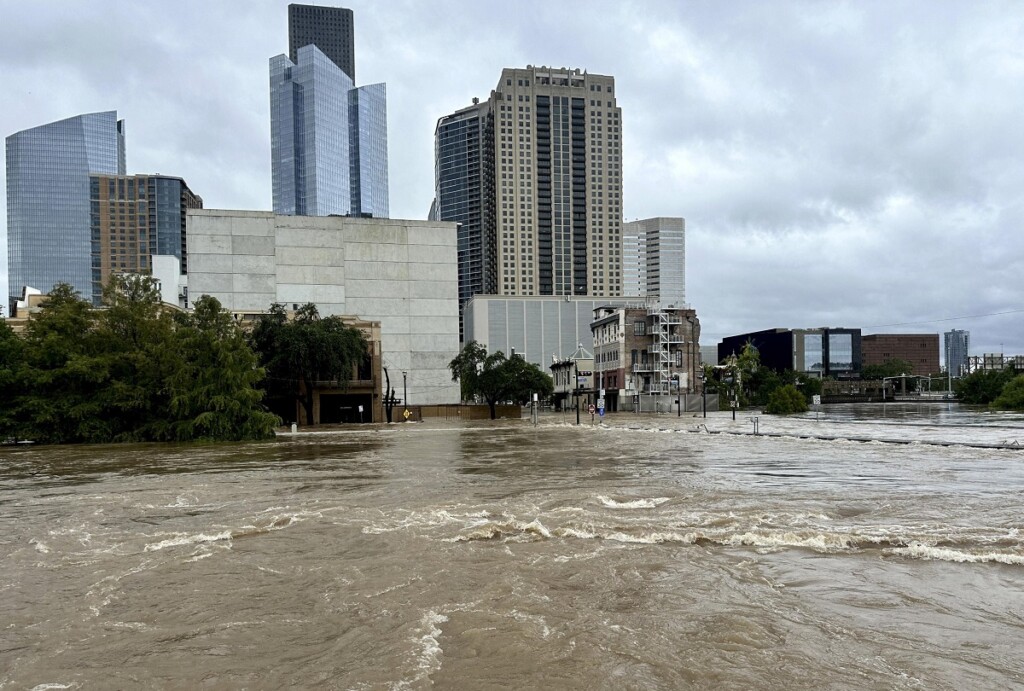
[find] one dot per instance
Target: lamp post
(405, 396)
(576, 387)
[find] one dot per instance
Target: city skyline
(843, 165)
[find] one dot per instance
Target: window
(639, 328)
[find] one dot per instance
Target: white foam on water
(40, 546)
(822, 542)
(919, 550)
(54, 685)
(428, 657)
(181, 539)
(632, 504)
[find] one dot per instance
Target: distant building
(920, 350)
(573, 378)
(957, 347)
(823, 352)
(401, 274)
(550, 140)
(48, 204)
(536, 327)
(331, 29)
(642, 350)
(135, 219)
(994, 361)
(464, 194)
(654, 260)
(328, 138)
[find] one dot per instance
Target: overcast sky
(838, 164)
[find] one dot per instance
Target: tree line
(135, 370)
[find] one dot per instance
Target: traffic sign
(592, 409)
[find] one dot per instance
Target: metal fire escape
(663, 336)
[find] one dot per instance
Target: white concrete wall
(403, 274)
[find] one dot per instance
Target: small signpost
(360, 413)
(592, 410)
(816, 401)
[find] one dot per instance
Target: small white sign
(360, 409)
(816, 399)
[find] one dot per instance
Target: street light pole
(405, 396)
(576, 388)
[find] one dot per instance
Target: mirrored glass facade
(368, 130)
(48, 198)
(328, 139)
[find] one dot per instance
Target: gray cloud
(848, 164)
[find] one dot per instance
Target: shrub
(786, 400)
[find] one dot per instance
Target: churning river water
(647, 552)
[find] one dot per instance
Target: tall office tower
(557, 170)
(331, 29)
(48, 211)
(464, 193)
(654, 260)
(134, 219)
(957, 344)
(329, 141)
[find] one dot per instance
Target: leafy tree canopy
(495, 378)
(893, 367)
(300, 352)
(983, 386)
(1012, 395)
(120, 374)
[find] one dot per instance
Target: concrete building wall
(402, 274)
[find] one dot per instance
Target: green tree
(786, 400)
(892, 367)
(1012, 395)
(983, 386)
(12, 356)
(303, 351)
(465, 368)
(213, 392)
(496, 378)
(62, 376)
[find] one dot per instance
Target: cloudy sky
(838, 164)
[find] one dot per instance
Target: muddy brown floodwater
(641, 553)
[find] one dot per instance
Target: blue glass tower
(48, 208)
(328, 139)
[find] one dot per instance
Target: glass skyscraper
(49, 239)
(329, 150)
(958, 347)
(464, 194)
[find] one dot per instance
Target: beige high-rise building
(556, 157)
(558, 180)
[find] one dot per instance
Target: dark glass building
(133, 219)
(464, 194)
(825, 352)
(331, 29)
